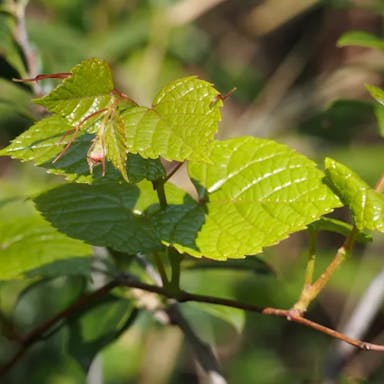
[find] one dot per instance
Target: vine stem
(181, 296)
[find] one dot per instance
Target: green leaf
(256, 193)
(104, 215)
(361, 39)
(40, 145)
(366, 204)
(379, 113)
(180, 125)
(86, 91)
(116, 144)
(30, 242)
(337, 226)
(94, 328)
(376, 93)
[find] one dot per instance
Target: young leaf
(30, 242)
(116, 143)
(366, 204)
(257, 192)
(361, 39)
(86, 91)
(180, 125)
(40, 145)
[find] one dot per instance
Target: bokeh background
(294, 85)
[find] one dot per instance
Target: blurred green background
(294, 85)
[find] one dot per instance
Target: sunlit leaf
(366, 204)
(376, 93)
(256, 193)
(180, 125)
(86, 91)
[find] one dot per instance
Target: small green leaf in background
(180, 125)
(94, 328)
(257, 192)
(366, 204)
(376, 93)
(9, 49)
(30, 242)
(361, 39)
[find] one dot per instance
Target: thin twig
(132, 282)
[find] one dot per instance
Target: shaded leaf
(366, 204)
(94, 328)
(256, 193)
(104, 215)
(361, 39)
